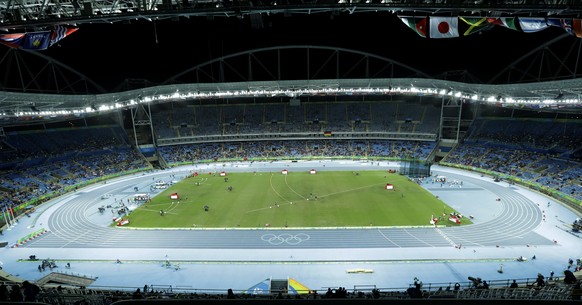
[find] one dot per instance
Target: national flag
(476, 25)
(61, 32)
(29, 41)
(554, 22)
(577, 27)
(11, 40)
(175, 196)
(532, 24)
(571, 26)
(297, 288)
(417, 24)
(567, 26)
(507, 22)
(36, 40)
(327, 133)
(444, 27)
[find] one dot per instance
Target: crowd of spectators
(297, 149)
(309, 117)
(540, 288)
(543, 152)
(47, 161)
(42, 163)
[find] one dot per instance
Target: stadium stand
(38, 164)
(528, 291)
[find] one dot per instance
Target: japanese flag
(444, 27)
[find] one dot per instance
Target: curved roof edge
(560, 94)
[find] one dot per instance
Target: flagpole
(7, 217)
(11, 219)
(14, 222)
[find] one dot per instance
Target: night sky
(158, 50)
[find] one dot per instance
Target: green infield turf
(299, 199)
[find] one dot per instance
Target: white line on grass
(331, 194)
(293, 190)
(273, 188)
(280, 196)
(350, 190)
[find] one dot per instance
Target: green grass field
(299, 199)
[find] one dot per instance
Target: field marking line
(350, 190)
(75, 239)
(418, 239)
(273, 188)
(331, 194)
(153, 205)
(293, 190)
(388, 239)
(150, 210)
(202, 180)
(173, 206)
(454, 244)
(165, 211)
(256, 210)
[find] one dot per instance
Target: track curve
(71, 226)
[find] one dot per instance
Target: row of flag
(450, 27)
(40, 40)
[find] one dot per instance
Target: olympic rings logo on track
(286, 238)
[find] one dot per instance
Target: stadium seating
(39, 163)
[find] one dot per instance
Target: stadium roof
(36, 84)
(551, 95)
(28, 14)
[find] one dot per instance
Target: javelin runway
(74, 222)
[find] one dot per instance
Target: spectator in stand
(415, 292)
(137, 294)
(230, 294)
(577, 291)
(540, 281)
(4, 293)
(30, 291)
(569, 277)
(16, 294)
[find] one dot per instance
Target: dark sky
(110, 53)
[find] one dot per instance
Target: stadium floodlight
(508, 95)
